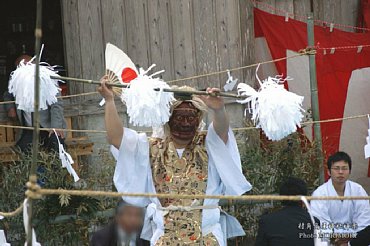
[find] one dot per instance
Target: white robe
(133, 174)
(346, 212)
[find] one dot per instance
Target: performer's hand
(104, 90)
(213, 102)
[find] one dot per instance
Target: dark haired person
(124, 230)
(341, 216)
(289, 226)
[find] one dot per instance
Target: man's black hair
(121, 204)
(293, 187)
(339, 156)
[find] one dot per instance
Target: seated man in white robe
(346, 216)
(184, 161)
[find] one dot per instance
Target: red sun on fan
(128, 74)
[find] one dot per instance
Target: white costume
(347, 215)
(133, 174)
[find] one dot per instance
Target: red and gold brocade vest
(186, 174)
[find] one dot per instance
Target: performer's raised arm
(220, 118)
(113, 122)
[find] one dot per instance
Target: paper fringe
(66, 159)
(275, 110)
(25, 222)
(145, 106)
(22, 81)
(367, 146)
(317, 240)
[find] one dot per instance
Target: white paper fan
(118, 66)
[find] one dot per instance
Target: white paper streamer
(102, 102)
(25, 222)
(230, 82)
(367, 146)
(66, 159)
(145, 106)
(317, 240)
(22, 81)
(3, 241)
(275, 110)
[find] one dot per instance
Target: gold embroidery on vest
(186, 174)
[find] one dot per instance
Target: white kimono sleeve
(226, 160)
(225, 177)
(133, 172)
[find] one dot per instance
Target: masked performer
(183, 161)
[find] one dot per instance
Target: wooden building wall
(184, 37)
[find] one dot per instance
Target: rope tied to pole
(309, 50)
(33, 189)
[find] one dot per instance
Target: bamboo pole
(314, 96)
(36, 116)
(176, 91)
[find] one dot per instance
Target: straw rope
(234, 129)
(301, 53)
(13, 213)
(35, 192)
(183, 196)
(62, 97)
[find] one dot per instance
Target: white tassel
(22, 81)
(145, 106)
(66, 159)
(25, 222)
(275, 110)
